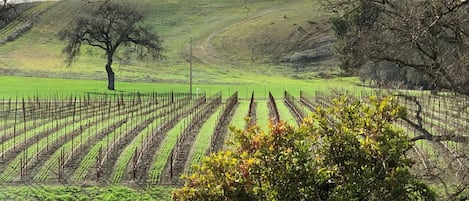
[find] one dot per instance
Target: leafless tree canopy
(431, 36)
(109, 26)
(7, 11)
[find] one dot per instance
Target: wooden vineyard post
(432, 112)
(89, 133)
(107, 143)
(56, 128)
(142, 139)
(24, 116)
(37, 147)
(125, 126)
(58, 167)
(212, 143)
(24, 164)
(60, 163)
(116, 99)
(122, 100)
(156, 98)
(98, 165)
(14, 125)
(171, 165)
(21, 168)
(134, 165)
(139, 98)
(5, 123)
(114, 133)
(25, 161)
(65, 129)
(109, 113)
(81, 135)
(74, 110)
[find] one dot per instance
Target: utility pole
(190, 64)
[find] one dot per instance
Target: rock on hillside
(319, 51)
(278, 35)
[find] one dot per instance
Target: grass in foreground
(39, 193)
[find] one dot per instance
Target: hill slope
(232, 42)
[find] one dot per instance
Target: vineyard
(144, 140)
(106, 139)
(438, 126)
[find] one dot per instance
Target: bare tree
(431, 36)
(7, 11)
(109, 26)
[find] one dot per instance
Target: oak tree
(110, 26)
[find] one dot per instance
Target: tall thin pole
(190, 64)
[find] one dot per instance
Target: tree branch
(89, 42)
(438, 138)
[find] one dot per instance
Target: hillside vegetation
(233, 42)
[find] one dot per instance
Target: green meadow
(13, 87)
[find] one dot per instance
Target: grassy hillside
(233, 42)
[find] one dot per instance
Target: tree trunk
(110, 74)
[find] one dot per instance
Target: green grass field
(13, 87)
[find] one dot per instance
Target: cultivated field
(139, 139)
(147, 140)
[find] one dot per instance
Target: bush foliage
(349, 151)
